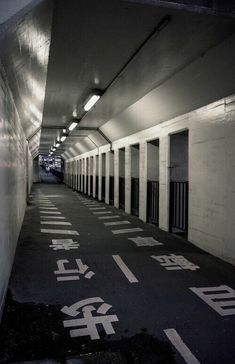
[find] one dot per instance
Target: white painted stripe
(124, 222)
(180, 346)
(68, 278)
(125, 231)
(54, 231)
(53, 217)
(129, 275)
(108, 217)
(53, 196)
(92, 204)
(55, 223)
(97, 208)
(45, 203)
(48, 208)
(102, 212)
(49, 212)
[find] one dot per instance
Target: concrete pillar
(74, 175)
(94, 175)
(78, 169)
(164, 193)
(107, 175)
(116, 178)
(100, 177)
(89, 175)
(128, 179)
(143, 181)
(85, 175)
(82, 172)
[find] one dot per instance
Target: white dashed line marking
(125, 222)
(97, 208)
(126, 271)
(49, 208)
(55, 223)
(102, 212)
(49, 212)
(125, 231)
(108, 217)
(62, 232)
(53, 217)
(180, 346)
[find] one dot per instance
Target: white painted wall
(134, 162)
(15, 180)
(152, 162)
(179, 157)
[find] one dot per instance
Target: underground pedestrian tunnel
(117, 175)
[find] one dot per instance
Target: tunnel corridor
(117, 175)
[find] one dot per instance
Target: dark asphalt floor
(157, 299)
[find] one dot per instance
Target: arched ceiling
(52, 65)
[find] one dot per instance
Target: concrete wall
(15, 181)
(179, 157)
(122, 163)
(135, 162)
(152, 162)
(211, 173)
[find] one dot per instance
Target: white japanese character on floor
(88, 320)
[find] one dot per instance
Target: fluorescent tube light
(91, 102)
(63, 138)
(57, 145)
(73, 125)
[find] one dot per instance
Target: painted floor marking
(102, 212)
(97, 208)
(126, 271)
(125, 231)
(53, 217)
(180, 346)
(108, 217)
(175, 262)
(47, 196)
(221, 298)
(55, 223)
(50, 212)
(54, 231)
(46, 205)
(49, 208)
(124, 222)
(145, 241)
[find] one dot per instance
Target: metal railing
(111, 190)
(91, 185)
(122, 193)
(153, 202)
(179, 207)
(103, 189)
(135, 196)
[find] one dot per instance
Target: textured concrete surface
(160, 299)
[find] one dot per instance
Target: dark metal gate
(86, 185)
(122, 193)
(91, 185)
(135, 196)
(153, 202)
(179, 207)
(111, 190)
(97, 187)
(103, 189)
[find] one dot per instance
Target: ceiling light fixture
(63, 138)
(57, 144)
(92, 100)
(73, 125)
